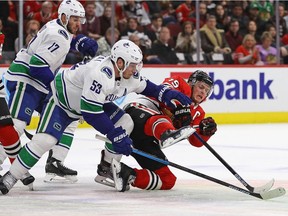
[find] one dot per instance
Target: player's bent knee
(168, 182)
(167, 177)
(42, 142)
(19, 126)
(8, 135)
(71, 127)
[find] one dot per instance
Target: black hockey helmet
(201, 76)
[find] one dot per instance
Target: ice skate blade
(104, 180)
(116, 168)
(53, 178)
(184, 135)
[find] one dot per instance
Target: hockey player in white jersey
(28, 77)
(87, 90)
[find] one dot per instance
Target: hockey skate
(28, 180)
(104, 172)
(57, 172)
(171, 137)
(7, 182)
(105, 175)
(123, 175)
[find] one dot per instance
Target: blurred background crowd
(246, 32)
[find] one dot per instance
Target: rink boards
(241, 94)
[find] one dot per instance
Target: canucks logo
(28, 111)
(126, 45)
(57, 126)
(107, 71)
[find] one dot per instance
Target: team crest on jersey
(28, 111)
(107, 71)
(57, 126)
(62, 32)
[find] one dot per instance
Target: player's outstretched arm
(166, 95)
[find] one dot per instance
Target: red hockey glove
(208, 126)
(182, 116)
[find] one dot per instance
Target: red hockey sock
(142, 179)
(147, 180)
(10, 138)
(158, 124)
(161, 179)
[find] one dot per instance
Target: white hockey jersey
(48, 48)
(85, 87)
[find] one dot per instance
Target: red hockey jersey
(197, 112)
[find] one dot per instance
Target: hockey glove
(208, 126)
(169, 96)
(120, 141)
(182, 117)
(85, 45)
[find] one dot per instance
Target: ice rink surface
(258, 152)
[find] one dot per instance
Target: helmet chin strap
(65, 25)
(121, 71)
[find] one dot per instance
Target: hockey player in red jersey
(152, 121)
(5, 117)
(8, 134)
(9, 137)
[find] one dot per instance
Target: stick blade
(265, 187)
(280, 191)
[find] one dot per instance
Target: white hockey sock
(59, 152)
(108, 156)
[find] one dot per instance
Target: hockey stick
(263, 188)
(263, 195)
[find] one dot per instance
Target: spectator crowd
(231, 32)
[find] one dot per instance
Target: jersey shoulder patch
(106, 70)
(64, 33)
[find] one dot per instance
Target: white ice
(257, 152)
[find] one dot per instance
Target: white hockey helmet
(129, 52)
(71, 8)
